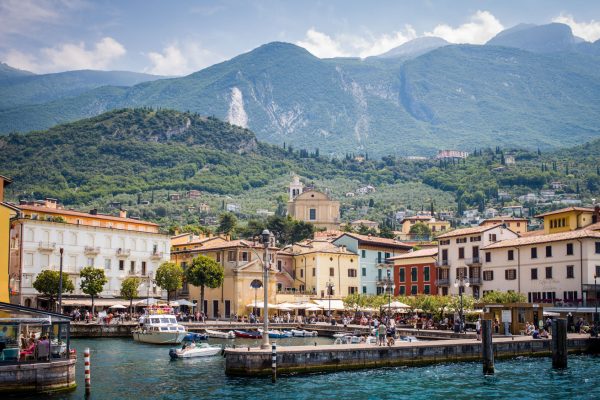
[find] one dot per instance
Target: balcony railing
(156, 255)
(442, 282)
(473, 261)
(123, 252)
(443, 264)
(91, 250)
(47, 246)
(475, 281)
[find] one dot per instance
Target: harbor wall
(38, 377)
(308, 359)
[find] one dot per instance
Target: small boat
(248, 334)
(275, 334)
(303, 333)
(195, 350)
(159, 326)
(193, 336)
(219, 334)
(339, 335)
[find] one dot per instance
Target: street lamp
(255, 284)
(389, 283)
(60, 281)
(461, 283)
(266, 237)
(330, 286)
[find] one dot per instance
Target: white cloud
(589, 31)
(482, 27)
(177, 59)
(68, 56)
(324, 46)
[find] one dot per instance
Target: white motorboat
(220, 334)
(159, 327)
(195, 350)
(303, 333)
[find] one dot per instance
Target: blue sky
(179, 37)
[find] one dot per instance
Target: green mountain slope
(27, 89)
(451, 97)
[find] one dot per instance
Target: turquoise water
(123, 369)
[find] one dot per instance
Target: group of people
(34, 348)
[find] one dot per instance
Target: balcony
(91, 250)
(47, 246)
(475, 281)
(156, 255)
(442, 282)
(475, 261)
(124, 253)
(443, 264)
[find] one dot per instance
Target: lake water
(123, 369)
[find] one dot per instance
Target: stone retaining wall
(38, 377)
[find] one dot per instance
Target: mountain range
(530, 86)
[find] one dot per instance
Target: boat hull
(248, 335)
(193, 353)
(220, 334)
(159, 337)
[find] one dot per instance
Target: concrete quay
(309, 359)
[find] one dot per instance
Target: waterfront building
(242, 262)
(121, 245)
(459, 257)
(515, 224)
(7, 212)
(551, 268)
(312, 206)
(415, 272)
(372, 252)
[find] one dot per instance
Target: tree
(420, 229)
(227, 223)
(129, 289)
(169, 276)
(204, 272)
(47, 283)
(92, 282)
(503, 297)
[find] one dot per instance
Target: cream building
(121, 246)
(434, 225)
(517, 225)
(313, 206)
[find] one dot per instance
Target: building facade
(515, 224)
(459, 260)
(312, 206)
(415, 272)
(121, 246)
(372, 254)
(7, 212)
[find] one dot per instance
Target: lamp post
(330, 286)
(392, 287)
(255, 284)
(60, 281)
(461, 283)
(266, 237)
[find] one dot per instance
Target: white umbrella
(397, 304)
(184, 302)
(150, 301)
(304, 305)
(283, 308)
(286, 306)
(117, 306)
(260, 304)
(314, 308)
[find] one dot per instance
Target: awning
(337, 305)
(97, 302)
(184, 302)
(119, 306)
(551, 314)
(260, 304)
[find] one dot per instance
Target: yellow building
(435, 226)
(309, 205)
(6, 213)
(517, 225)
(569, 219)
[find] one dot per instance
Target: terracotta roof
(73, 213)
(593, 227)
(6, 179)
(418, 217)
(532, 233)
(467, 231)
(537, 239)
(567, 209)
(432, 252)
(376, 240)
(320, 247)
(501, 219)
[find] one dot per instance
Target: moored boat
(248, 334)
(159, 326)
(195, 350)
(219, 334)
(276, 334)
(303, 333)
(193, 336)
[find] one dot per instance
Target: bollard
(86, 361)
(559, 343)
(274, 362)
(487, 348)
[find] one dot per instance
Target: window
(379, 257)
(132, 267)
(461, 253)
(90, 262)
(426, 275)
(444, 256)
(279, 266)
(414, 289)
(364, 272)
(121, 265)
(488, 256)
(231, 256)
(548, 251)
(597, 270)
(302, 273)
(352, 273)
(510, 274)
(570, 272)
(107, 262)
(331, 272)
(401, 290)
(461, 272)
(312, 214)
(534, 252)
(379, 273)
(597, 247)
(363, 253)
(488, 275)
(414, 274)
(314, 272)
(402, 275)
(244, 256)
(218, 257)
(461, 240)
(143, 267)
(387, 255)
(492, 237)
(511, 255)
(426, 289)
(352, 289)
(569, 249)
(548, 272)
(444, 242)
(534, 274)
(364, 290)
(475, 239)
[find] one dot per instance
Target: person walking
(478, 328)
(381, 330)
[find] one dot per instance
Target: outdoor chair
(42, 351)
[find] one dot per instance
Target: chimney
(94, 211)
(122, 213)
(50, 203)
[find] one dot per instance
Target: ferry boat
(159, 326)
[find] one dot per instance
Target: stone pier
(38, 377)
